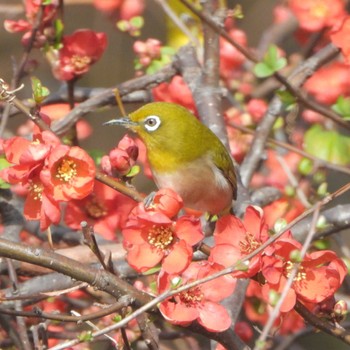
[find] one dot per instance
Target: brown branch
(37, 313)
(298, 76)
(100, 279)
(321, 324)
(119, 186)
(107, 97)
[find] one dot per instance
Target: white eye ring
(152, 123)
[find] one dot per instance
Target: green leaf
(262, 70)
(322, 244)
(133, 171)
(152, 271)
(175, 282)
(117, 318)
(167, 50)
(137, 21)
(96, 155)
(342, 107)
(40, 92)
(280, 224)
(322, 189)
(59, 27)
(4, 164)
(287, 99)
(123, 25)
(270, 64)
(328, 145)
(85, 336)
(295, 256)
(305, 166)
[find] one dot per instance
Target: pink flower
(235, 239)
(151, 237)
(79, 52)
(319, 276)
(200, 303)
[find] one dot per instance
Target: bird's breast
(201, 185)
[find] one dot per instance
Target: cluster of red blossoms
(70, 56)
(50, 173)
(153, 237)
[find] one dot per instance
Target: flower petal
(142, 257)
(178, 313)
(189, 229)
(178, 259)
(214, 317)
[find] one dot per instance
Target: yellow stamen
(160, 237)
(67, 170)
(248, 244)
(36, 190)
(191, 297)
(95, 208)
(80, 62)
(301, 275)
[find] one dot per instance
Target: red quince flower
(234, 239)
(29, 158)
(106, 209)
(69, 173)
(314, 15)
(151, 237)
(340, 38)
(257, 310)
(126, 8)
(199, 303)
(257, 108)
(319, 276)
(329, 82)
(44, 32)
(274, 174)
(230, 57)
(167, 202)
(80, 50)
(177, 92)
(39, 205)
(286, 208)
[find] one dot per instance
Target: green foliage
(132, 26)
(96, 155)
(40, 92)
(342, 107)
(295, 256)
(287, 99)
(133, 171)
(167, 53)
(270, 64)
(305, 166)
(322, 244)
(280, 225)
(85, 336)
(4, 164)
(175, 282)
(328, 145)
(59, 27)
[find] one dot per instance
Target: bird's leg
(148, 201)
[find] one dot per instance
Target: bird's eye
(152, 123)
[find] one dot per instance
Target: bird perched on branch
(185, 156)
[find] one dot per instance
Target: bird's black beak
(126, 122)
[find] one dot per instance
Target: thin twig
(276, 310)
